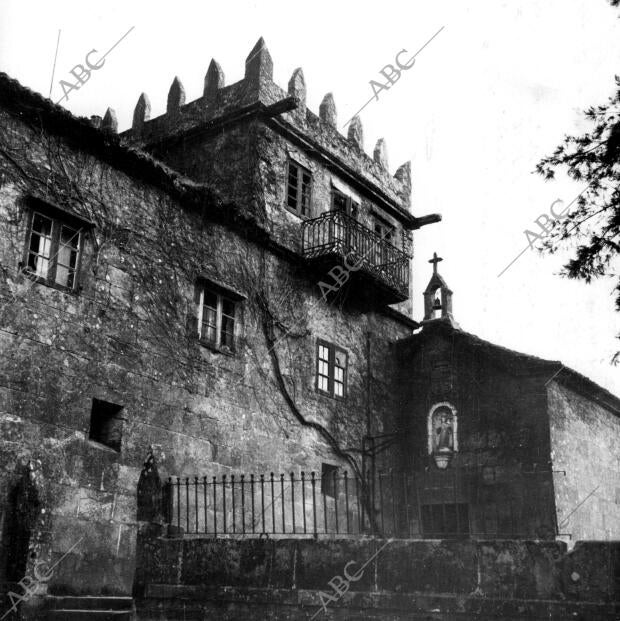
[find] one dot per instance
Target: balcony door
(382, 256)
(342, 233)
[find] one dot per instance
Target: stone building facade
(227, 287)
(532, 445)
(174, 305)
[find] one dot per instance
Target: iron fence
(450, 504)
(267, 504)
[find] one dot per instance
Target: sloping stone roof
(32, 108)
(517, 363)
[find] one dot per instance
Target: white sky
(493, 93)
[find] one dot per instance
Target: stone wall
(376, 579)
(585, 444)
(127, 336)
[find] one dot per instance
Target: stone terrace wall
(290, 579)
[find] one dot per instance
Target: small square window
(298, 192)
(53, 251)
(106, 424)
(331, 369)
(329, 479)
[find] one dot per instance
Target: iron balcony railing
(334, 234)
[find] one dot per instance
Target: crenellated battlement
(257, 93)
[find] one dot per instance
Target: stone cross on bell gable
(434, 261)
(438, 297)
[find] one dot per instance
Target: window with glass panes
(216, 319)
(345, 204)
(331, 369)
(384, 230)
(298, 189)
(53, 250)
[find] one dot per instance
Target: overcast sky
(494, 92)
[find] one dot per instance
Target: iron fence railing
(437, 504)
(267, 504)
(334, 233)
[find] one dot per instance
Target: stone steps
(86, 614)
(87, 608)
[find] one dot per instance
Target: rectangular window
(331, 369)
(298, 189)
(384, 230)
(342, 202)
(53, 251)
(216, 319)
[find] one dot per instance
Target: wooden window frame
(58, 221)
(351, 207)
(297, 210)
(332, 350)
(386, 227)
(221, 296)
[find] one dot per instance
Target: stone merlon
(285, 111)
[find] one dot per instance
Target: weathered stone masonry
(198, 197)
(127, 336)
(585, 443)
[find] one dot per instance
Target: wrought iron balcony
(334, 236)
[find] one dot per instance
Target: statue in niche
(442, 434)
(442, 429)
